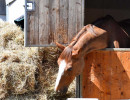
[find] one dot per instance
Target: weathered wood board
(107, 75)
(54, 20)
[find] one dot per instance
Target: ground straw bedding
(27, 72)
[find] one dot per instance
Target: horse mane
(67, 53)
(98, 22)
(75, 39)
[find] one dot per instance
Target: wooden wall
(54, 20)
(107, 75)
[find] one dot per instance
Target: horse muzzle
(62, 90)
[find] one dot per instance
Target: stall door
(48, 21)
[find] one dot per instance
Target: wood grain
(31, 18)
(106, 75)
(44, 26)
(36, 24)
(54, 20)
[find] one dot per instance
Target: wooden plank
(86, 84)
(79, 15)
(71, 20)
(125, 75)
(57, 20)
(116, 84)
(44, 25)
(91, 84)
(36, 24)
(33, 25)
(94, 77)
(106, 75)
(53, 8)
(30, 28)
(75, 9)
(97, 72)
(62, 30)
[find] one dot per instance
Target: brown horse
(104, 32)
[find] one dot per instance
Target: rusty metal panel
(106, 75)
(53, 21)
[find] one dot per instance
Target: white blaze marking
(60, 72)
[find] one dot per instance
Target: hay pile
(26, 70)
(17, 63)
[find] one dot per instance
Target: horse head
(68, 68)
(71, 60)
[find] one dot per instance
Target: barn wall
(94, 9)
(60, 20)
(54, 20)
(107, 75)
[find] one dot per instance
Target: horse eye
(69, 69)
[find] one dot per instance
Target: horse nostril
(64, 90)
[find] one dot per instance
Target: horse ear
(60, 46)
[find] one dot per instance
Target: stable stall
(106, 73)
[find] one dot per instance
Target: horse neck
(95, 38)
(117, 36)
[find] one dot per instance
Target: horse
(105, 32)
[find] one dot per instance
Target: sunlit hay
(21, 68)
(18, 65)
(27, 72)
(2, 24)
(3, 82)
(3, 57)
(20, 75)
(10, 35)
(50, 67)
(23, 78)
